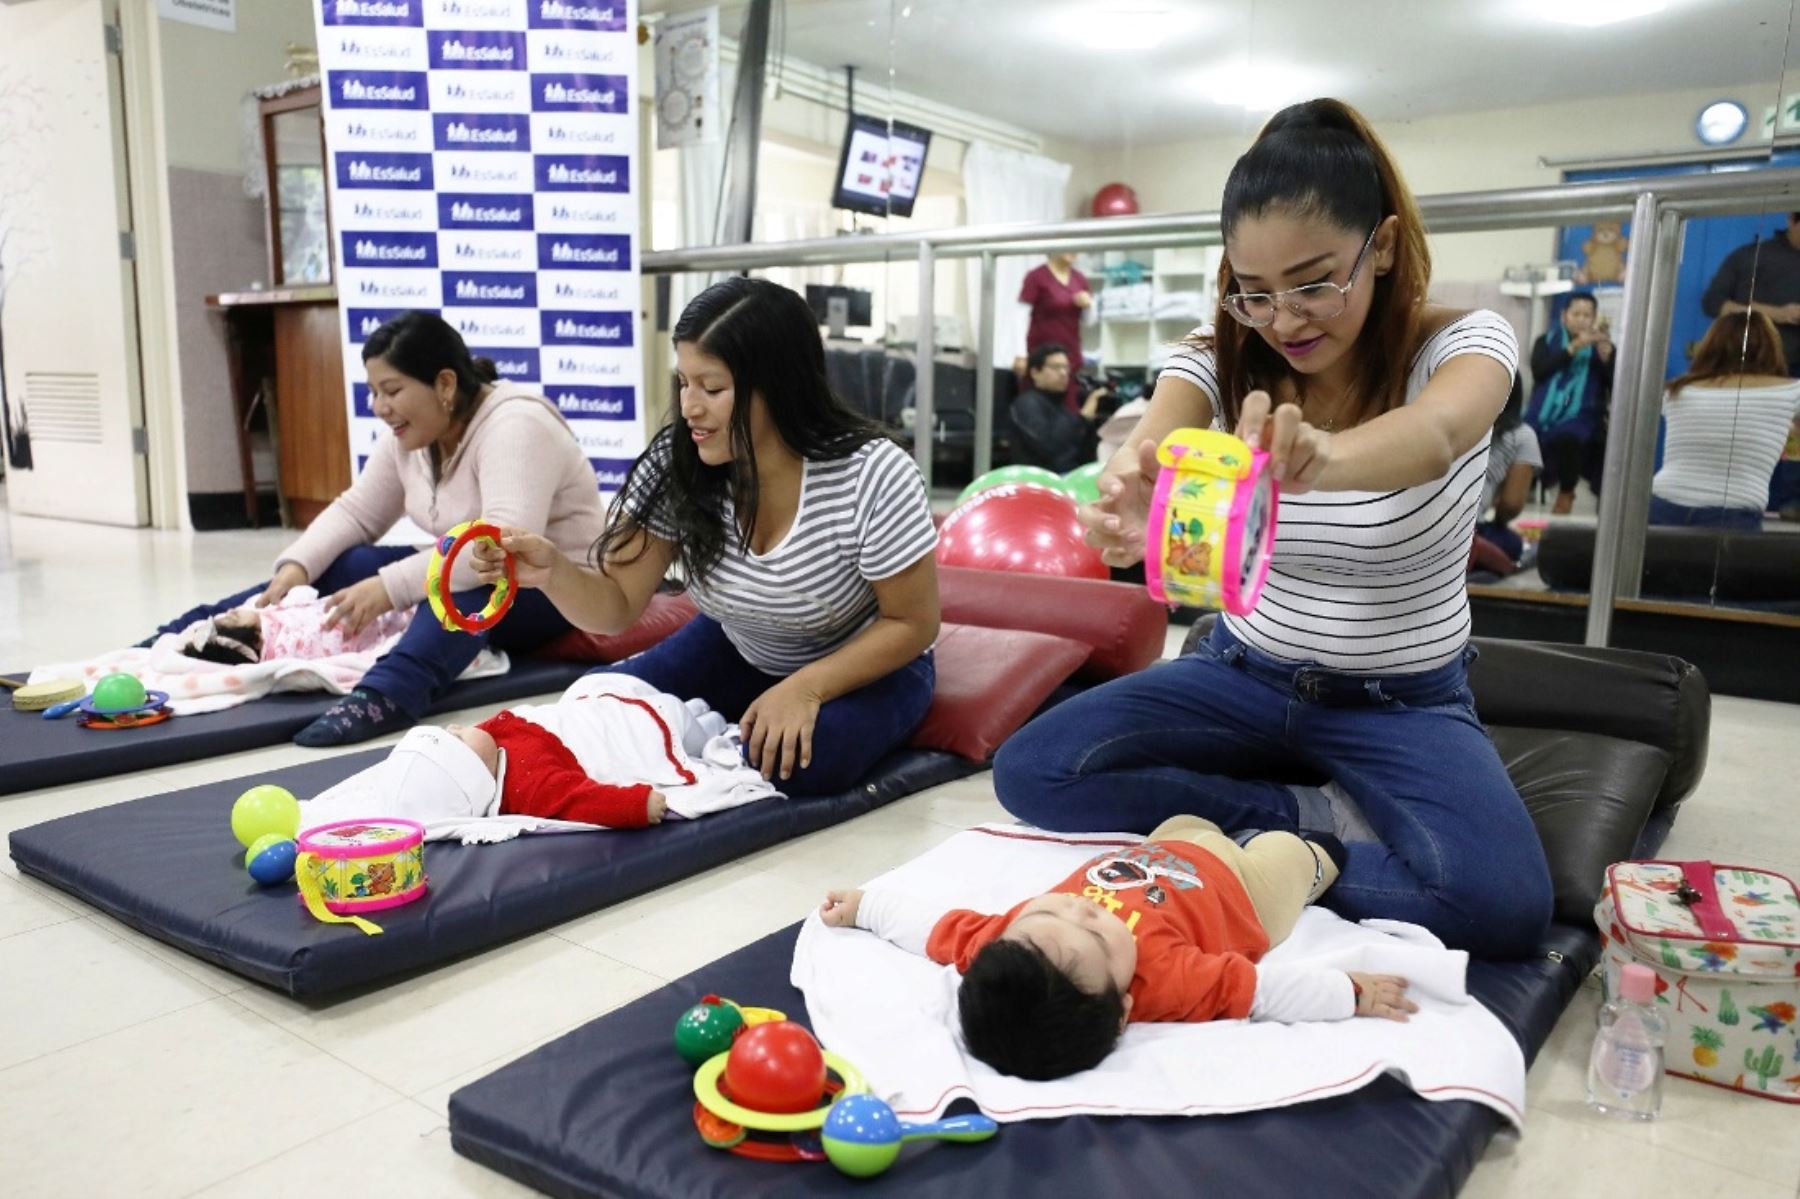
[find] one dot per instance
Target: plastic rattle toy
(1212, 522)
(862, 1136)
(443, 561)
(710, 1026)
(771, 1080)
(119, 701)
(270, 859)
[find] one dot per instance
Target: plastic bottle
(1625, 1070)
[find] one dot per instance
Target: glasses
(1314, 302)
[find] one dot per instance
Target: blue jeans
(1784, 485)
(1509, 541)
(1209, 733)
(428, 657)
(1664, 512)
(853, 732)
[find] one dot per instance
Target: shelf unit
(1138, 327)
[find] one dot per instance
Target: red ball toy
(1021, 528)
(775, 1067)
(1115, 199)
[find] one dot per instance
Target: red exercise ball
(1020, 527)
(1115, 199)
(775, 1067)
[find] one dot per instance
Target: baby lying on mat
(1169, 930)
(295, 628)
(612, 751)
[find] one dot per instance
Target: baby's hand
(1382, 995)
(659, 803)
(839, 908)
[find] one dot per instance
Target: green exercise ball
(1013, 474)
(1084, 483)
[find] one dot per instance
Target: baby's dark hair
(1024, 1017)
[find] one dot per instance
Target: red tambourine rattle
(443, 561)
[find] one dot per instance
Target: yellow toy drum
(437, 579)
(1212, 522)
(349, 867)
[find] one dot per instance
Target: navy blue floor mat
(606, 1111)
(35, 752)
(169, 866)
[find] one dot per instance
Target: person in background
(1728, 419)
(1771, 266)
(1049, 434)
(1514, 460)
(1571, 376)
(1058, 294)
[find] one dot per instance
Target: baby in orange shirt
(1172, 930)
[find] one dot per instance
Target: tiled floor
(127, 1068)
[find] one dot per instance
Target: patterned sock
(359, 716)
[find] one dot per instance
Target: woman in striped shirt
(803, 533)
(1728, 420)
(1376, 408)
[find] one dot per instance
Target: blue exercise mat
(35, 752)
(606, 1110)
(169, 866)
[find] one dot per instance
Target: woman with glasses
(1376, 408)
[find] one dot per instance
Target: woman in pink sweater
(464, 445)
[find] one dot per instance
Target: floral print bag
(1724, 942)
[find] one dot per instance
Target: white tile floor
(127, 1068)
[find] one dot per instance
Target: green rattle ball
(264, 811)
(119, 693)
(707, 1029)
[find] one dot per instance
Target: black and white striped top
(861, 519)
(1373, 583)
(1723, 444)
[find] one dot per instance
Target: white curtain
(1003, 186)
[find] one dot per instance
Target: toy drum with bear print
(1212, 522)
(351, 867)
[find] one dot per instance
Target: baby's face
(481, 742)
(1081, 939)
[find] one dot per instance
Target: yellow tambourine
(1212, 522)
(443, 561)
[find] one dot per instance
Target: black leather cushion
(1756, 567)
(1589, 797)
(606, 1110)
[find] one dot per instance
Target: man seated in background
(1048, 434)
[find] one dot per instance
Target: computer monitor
(839, 308)
(880, 167)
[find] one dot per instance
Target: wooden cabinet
(286, 346)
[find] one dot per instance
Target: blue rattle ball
(273, 863)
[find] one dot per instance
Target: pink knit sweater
(518, 464)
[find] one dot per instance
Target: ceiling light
(1592, 13)
(1139, 25)
(1258, 87)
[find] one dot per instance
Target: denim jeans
(428, 657)
(1212, 732)
(1666, 512)
(853, 732)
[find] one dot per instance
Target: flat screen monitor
(858, 310)
(881, 165)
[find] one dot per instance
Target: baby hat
(430, 775)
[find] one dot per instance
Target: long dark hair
(1739, 343)
(422, 345)
(768, 338)
(1321, 160)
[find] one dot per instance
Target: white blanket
(893, 1014)
(195, 686)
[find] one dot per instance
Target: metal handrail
(1449, 212)
(1657, 206)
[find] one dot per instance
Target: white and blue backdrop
(483, 165)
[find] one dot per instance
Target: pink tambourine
(349, 867)
(1212, 522)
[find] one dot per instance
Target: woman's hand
(839, 908)
(353, 608)
(1115, 522)
(1382, 995)
(534, 558)
(1298, 452)
(1084, 299)
(289, 576)
(778, 726)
